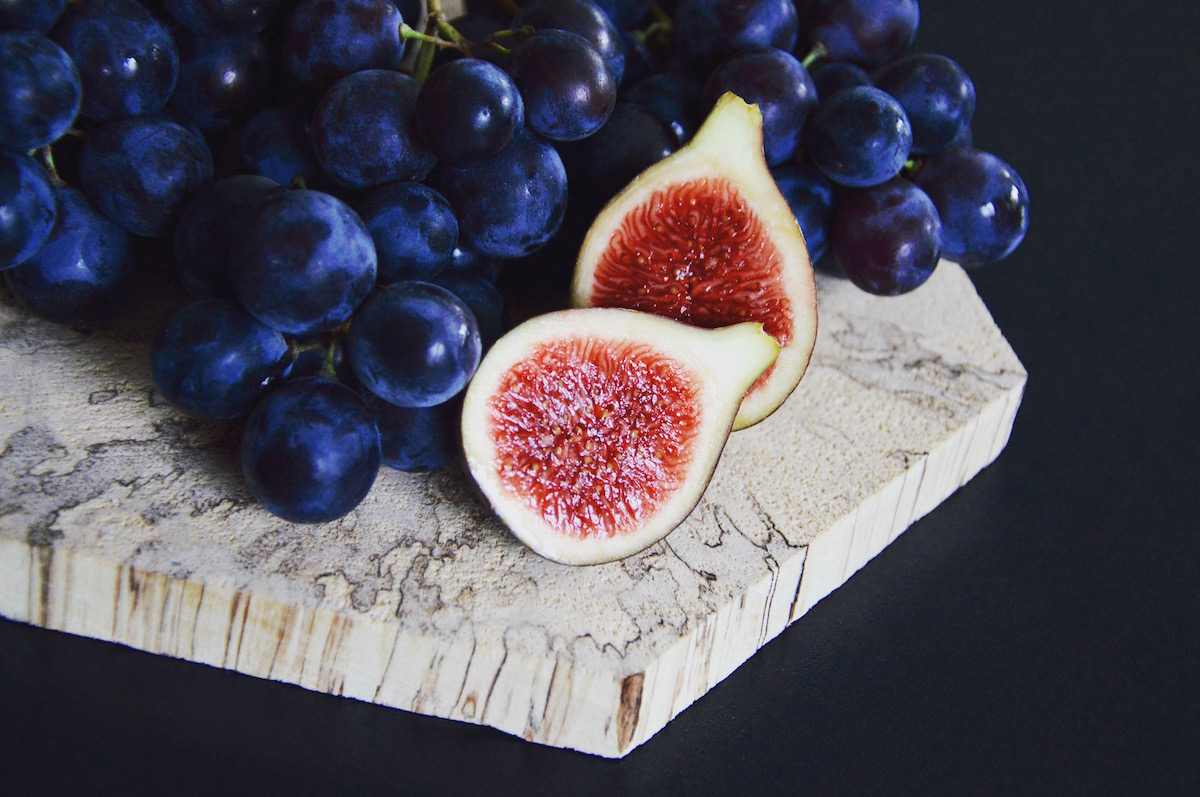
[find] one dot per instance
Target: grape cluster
(342, 184)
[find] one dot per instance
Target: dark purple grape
(464, 261)
(141, 172)
(602, 164)
(416, 439)
(860, 137)
(210, 228)
(810, 196)
(218, 18)
(484, 300)
(126, 58)
(364, 130)
(887, 238)
(83, 274)
(310, 451)
(324, 41)
(510, 205)
(414, 229)
(581, 17)
(222, 81)
(707, 31)
(41, 91)
(27, 208)
(674, 99)
(34, 16)
(639, 61)
(869, 33)
(983, 203)
(625, 13)
(468, 110)
(414, 344)
(305, 263)
(936, 94)
(568, 91)
(779, 85)
(212, 360)
(277, 143)
(832, 77)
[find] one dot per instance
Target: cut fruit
(594, 432)
(705, 237)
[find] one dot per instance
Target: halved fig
(705, 237)
(594, 432)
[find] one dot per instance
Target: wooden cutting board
(123, 521)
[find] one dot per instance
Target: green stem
(817, 53)
(656, 28)
(299, 182)
(48, 159)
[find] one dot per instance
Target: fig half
(594, 432)
(705, 237)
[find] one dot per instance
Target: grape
(415, 439)
(869, 33)
(707, 31)
(639, 61)
(810, 196)
(675, 99)
(212, 360)
(414, 230)
(510, 205)
(602, 164)
(141, 172)
(625, 13)
(35, 16)
(305, 263)
(218, 18)
(887, 238)
(414, 344)
(464, 261)
(568, 91)
(364, 130)
(211, 226)
(782, 89)
(277, 143)
(983, 203)
(41, 94)
(324, 41)
(581, 17)
(467, 111)
(310, 451)
(83, 274)
(937, 95)
(221, 81)
(484, 300)
(126, 58)
(860, 137)
(27, 208)
(832, 77)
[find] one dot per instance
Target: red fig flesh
(593, 433)
(705, 237)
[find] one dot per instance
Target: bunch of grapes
(342, 184)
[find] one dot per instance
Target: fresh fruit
(869, 33)
(936, 94)
(982, 201)
(27, 208)
(468, 111)
(706, 31)
(127, 60)
(414, 230)
(705, 237)
(887, 238)
(414, 344)
(310, 450)
(568, 90)
(594, 432)
(860, 137)
(41, 94)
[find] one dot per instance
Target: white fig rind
(728, 144)
(723, 363)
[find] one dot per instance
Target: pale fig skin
(728, 146)
(721, 363)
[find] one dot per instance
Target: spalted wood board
(123, 521)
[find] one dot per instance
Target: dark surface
(1039, 633)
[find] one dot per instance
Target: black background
(1039, 633)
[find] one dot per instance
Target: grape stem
(818, 53)
(48, 159)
